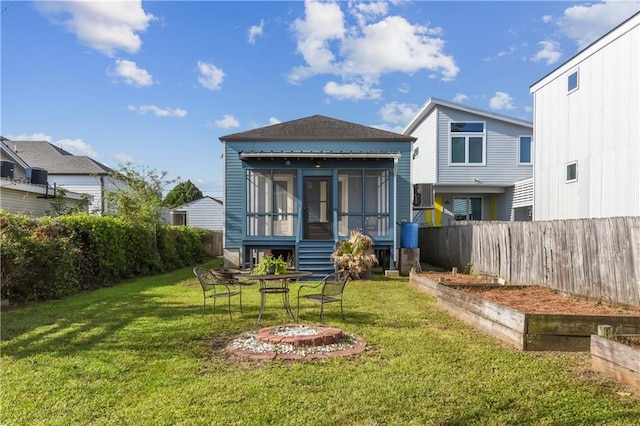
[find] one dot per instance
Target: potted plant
(270, 265)
(355, 254)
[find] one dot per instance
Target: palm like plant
(355, 254)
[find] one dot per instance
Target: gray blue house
(470, 164)
(297, 188)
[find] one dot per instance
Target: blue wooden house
(297, 188)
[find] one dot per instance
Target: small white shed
(206, 212)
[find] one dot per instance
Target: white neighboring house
(587, 131)
(469, 164)
(75, 173)
(206, 212)
(18, 194)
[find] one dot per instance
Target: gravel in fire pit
(248, 342)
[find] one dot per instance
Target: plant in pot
(355, 254)
(270, 265)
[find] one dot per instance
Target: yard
(140, 353)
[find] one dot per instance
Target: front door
(317, 221)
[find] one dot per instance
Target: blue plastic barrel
(409, 235)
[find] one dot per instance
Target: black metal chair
(213, 288)
(331, 289)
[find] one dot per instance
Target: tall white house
(587, 131)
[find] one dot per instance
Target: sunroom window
(363, 202)
(271, 203)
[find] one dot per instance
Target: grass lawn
(140, 353)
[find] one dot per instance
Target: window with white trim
(467, 208)
(524, 150)
(467, 143)
(572, 82)
(571, 172)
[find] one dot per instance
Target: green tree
(183, 193)
(137, 196)
(59, 206)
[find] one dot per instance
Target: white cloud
(73, 146)
(354, 91)
(547, 18)
(273, 120)
(586, 23)
(129, 72)
(404, 88)
(389, 128)
(460, 98)
(398, 113)
(211, 77)
(365, 11)
(157, 111)
(31, 137)
(255, 31)
(106, 26)
(549, 52)
(227, 121)
(77, 147)
(501, 100)
(323, 23)
(366, 51)
(124, 158)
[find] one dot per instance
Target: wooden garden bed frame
(524, 331)
(620, 361)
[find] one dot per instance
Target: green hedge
(49, 258)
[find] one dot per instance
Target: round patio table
(275, 284)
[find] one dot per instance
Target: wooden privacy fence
(213, 244)
(597, 258)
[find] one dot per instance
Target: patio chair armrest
(309, 286)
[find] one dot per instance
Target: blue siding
(235, 187)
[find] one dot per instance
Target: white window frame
(566, 169)
(466, 136)
(575, 72)
(468, 198)
(530, 162)
(283, 224)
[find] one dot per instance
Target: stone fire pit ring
(296, 342)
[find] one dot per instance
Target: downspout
(394, 218)
(103, 202)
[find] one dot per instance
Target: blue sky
(156, 83)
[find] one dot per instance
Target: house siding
(28, 203)
(425, 166)
(502, 145)
(204, 213)
(81, 184)
(597, 125)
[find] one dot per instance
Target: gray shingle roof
(55, 160)
(317, 128)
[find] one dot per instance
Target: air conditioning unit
(37, 176)
(6, 169)
(423, 195)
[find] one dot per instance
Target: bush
(49, 258)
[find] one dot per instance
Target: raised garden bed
(618, 360)
(529, 331)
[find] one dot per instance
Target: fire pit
(296, 342)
